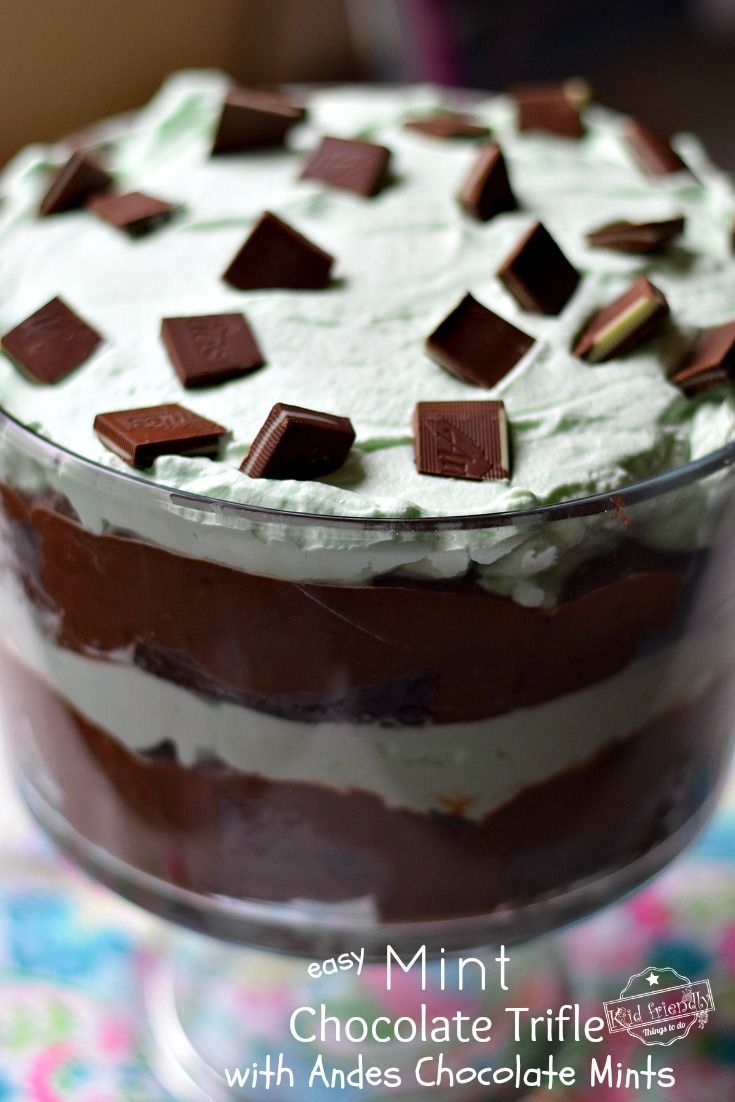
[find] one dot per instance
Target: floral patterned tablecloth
(71, 956)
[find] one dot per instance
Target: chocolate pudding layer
(217, 832)
(429, 750)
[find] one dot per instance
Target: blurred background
(66, 64)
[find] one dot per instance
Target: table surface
(71, 956)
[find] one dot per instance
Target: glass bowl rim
(613, 501)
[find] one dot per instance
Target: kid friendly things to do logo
(658, 1007)
(442, 1033)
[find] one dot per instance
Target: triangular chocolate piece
(651, 150)
(477, 345)
(554, 108)
(79, 179)
(538, 274)
(624, 323)
(254, 120)
(710, 363)
(277, 255)
(350, 165)
(486, 190)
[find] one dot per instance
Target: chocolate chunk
(636, 237)
(277, 255)
(462, 439)
(624, 323)
(211, 348)
(554, 108)
(140, 435)
(537, 273)
(448, 125)
(486, 190)
(475, 344)
(710, 363)
(298, 443)
(356, 166)
(652, 151)
(51, 343)
(75, 183)
(254, 120)
(134, 213)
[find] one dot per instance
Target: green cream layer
(404, 259)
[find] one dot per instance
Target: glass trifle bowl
(308, 733)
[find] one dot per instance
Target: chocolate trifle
(365, 469)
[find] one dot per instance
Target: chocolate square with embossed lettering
(210, 348)
(555, 108)
(350, 165)
(652, 151)
(79, 179)
(538, 274)
(462, 440)
(252, 119)
(51, 343)
(477, 345)
(140, 435)
(624, 323)
(135, 213)
(636, 237)
(710, 363)
(277, 255)
(448, 125)
(486, 190)
(298, 443)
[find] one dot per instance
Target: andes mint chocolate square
(140, 435)
(210, 348)
(277, 255)
(134, 213)
(51, 343)
(79, 179)
(651, 150)
(538, 274)
(253, 119)
(636, 237)
(624, 323)
(298, 443)
(350, 165)
(448, 125)
(710, 363)
(462, 439)
(554, 108)
(475, 344)
(486, 190)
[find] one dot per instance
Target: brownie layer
(212, 830)
(392, 652)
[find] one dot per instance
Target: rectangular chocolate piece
(477, 345)
(253, 119)
(277, 255)
(448, 125)
(135, 214)
(553, 108)
(298, 443)
(486, 190)
(361, 167)
(51, 343)
(651, 150)
(538, 274)
(79, 179)
(140, 435)
(636, 237)
(462, 440)
(210, 348)
(624, 323)
(710, 363)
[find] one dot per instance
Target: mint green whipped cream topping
(404, 260)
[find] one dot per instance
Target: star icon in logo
(652, 979)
